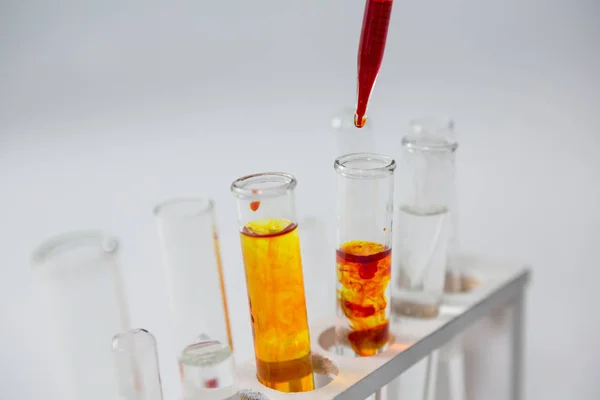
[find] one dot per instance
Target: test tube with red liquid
(365, 191)
(373, 38)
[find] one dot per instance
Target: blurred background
(108, 107)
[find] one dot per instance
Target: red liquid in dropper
(370, 53)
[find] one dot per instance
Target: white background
(108, 107)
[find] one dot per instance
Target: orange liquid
(364, 270)
(273, 266)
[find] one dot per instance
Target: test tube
(80, 282)
(426, 195)
(274, 279)
(365, 191)
(136, 361)
(196, 286)
(207, 371)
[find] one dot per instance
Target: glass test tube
(136, 361)
(80, 280)
(454, 280)
(426, 194)
(207, 371)
(274, 279)
(365, 191)
(192, 265)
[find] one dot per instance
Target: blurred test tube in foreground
(78, 275)
(137, 368)
(207, 371)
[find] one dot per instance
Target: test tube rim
(387, 168)
(206, 207)
(434, 142)
(240, 188)
(134, 331)
(62, 243)
(442, 122)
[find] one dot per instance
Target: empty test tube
(79, 278)
(191, 260)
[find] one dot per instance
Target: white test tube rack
(502, 283)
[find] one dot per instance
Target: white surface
(101, 115)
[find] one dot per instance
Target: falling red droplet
(254, 205)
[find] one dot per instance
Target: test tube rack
(503, 283)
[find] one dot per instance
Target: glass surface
(136, 361)
(423, 234)
(207, 371)
(274, 279)
(365, 191)
(79, 279)
(193, 271)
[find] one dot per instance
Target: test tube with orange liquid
(274, 280)
(365, 192)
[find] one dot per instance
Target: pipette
(370, 53)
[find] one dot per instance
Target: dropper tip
(359, 121)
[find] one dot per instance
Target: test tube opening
(184, 208)
(268, 184)
(364, 165)
(69, 248)
(431, 134)
(207, 371)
